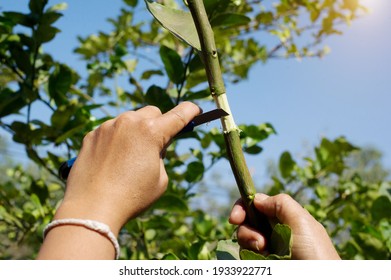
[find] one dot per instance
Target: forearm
(76, 242)
(73, 238)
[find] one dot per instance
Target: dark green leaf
(195, 171)
(45, 33)
(198, 251)
(212, 6)
(158, 97)
(286, 164)
(60, 83)
(381, 208)
(230, 20)
(24, 133)
(369, 242)
(170, 257)
(62, 115)
(11, 102)
(196, 64)
(40, 189)
(178, 22)
(173, 64)
(69, 133)
(37, 6)
(253, 150)
(22, 58)
(257, 133)
(131, 3)
(196, 95)
(19, 18)
(171, 203)
(49, 18)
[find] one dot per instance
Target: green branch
(231, 132)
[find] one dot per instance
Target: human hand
(119, 171)
(310, 239)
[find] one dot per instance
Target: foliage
(48, 107)
(355, 211)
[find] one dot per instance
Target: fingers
(249, 238)
(177, 118)
(281, 206)
(238, 213)
(149, 112)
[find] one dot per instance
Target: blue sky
(347, 93)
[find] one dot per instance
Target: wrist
(87, 211)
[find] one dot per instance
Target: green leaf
(21, 57)
(230, 20)
(19, 18)
(369, 242)
(37, 6)
(11, 102)
(199, 251)
(149, 73)
(170, 257)
(253, 150)
(69, 133)
(250, 255)
(195, 171)
(286, 164)
(173, 64)
(227, 250)
(131, 3)
(265, 18)
(60, 82)
(381, 208)
(158, 97)
(45, 33)
(280, 245)
(212, 6)
(171, 202)
(196, 95)
(63, 114)
(24, 133)
(40, 190)
(50, 18)
(178, 22)
(281, 241)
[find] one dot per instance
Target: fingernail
(254, 245)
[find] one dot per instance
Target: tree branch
(231, 131)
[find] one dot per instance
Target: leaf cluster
(354, 210)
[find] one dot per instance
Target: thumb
(281, 206)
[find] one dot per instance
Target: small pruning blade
(65, 167)
(203, 118)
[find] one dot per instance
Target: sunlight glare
(372, 5)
